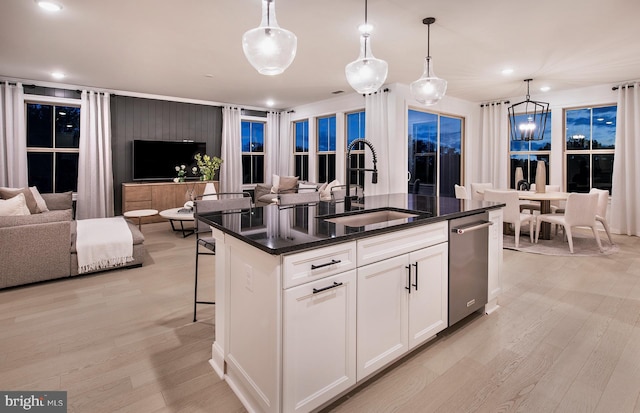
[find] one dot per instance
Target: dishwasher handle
(472, 227)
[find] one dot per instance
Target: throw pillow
(8, 193)
(42, 205)
(14, 206)
(288, 183)
(275, 183)
(307, 187)
(325, 194)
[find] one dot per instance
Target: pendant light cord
(366, 34)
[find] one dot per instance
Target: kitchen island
(312, 300)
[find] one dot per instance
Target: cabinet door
(382, 313)
(319, 341)
(428, 301)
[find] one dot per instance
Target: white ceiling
(192, 48)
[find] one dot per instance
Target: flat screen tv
(157, 160)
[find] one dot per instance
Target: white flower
(176, 180)
(194, 170)
(182, 167)
(177, 168)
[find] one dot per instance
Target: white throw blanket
(103, 243)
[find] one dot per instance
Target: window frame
(263, 153)
(590, 152)
(303, 174)
(438, 153)
(53, 102)
(326, 153)
(358, 150)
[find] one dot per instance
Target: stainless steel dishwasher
(468, 265)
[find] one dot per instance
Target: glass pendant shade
(269, 48)
(366, 74)
(429, 89)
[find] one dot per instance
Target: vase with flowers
(207, 166)
(181, 170)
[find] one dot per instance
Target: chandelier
(528, 119)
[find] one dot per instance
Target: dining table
(545, 199)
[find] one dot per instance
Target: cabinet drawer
(314, 264)
(389, 245)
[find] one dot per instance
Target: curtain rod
(506, 102)
(386, 89)
(621, 86)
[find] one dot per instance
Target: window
(53, 142)
(526, 154)
(301, 149)
(356, 130)
(252, 152)
(435, 153)
(589, 147)
(326, 128)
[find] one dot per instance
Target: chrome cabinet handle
(314, 267)
(319, 290)
(416, 284)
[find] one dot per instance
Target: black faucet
(374, 178)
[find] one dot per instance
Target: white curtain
(493, 145)
(95, 170)
(285, 147)
(377, 132)
(272, 138)
(13, 137)
(625, 191)
(231, 168)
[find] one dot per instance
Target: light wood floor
(566, 339)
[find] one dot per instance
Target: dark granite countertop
(278, 230)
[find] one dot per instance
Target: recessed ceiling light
(49, 5)
(545, 88)
(507, 71)
(57, 75)
(270, 102)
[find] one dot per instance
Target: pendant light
(366, 74)
(429, 89)
(269, 48)
(528, 119)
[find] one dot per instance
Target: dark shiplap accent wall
(149, 119)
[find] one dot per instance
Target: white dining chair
(580, 211)
(511, 212)
(461, 192)
(479, 186)
(601, 212)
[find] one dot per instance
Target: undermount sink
(368, 218)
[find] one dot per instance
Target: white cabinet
(495, 260)
(319, 341)
(402, 302)
(428, 300)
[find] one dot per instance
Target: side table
(181, 215)
(140, 213)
